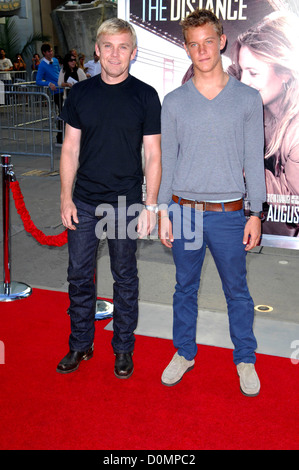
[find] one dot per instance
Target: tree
(10, 40)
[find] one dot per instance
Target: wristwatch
(260, 214)
(152, 208)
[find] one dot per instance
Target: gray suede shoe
(249, 381)
(175, 370)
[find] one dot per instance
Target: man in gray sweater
(212, 136)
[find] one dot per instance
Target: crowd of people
(18, 64)
(57, 72)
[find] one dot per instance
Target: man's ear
(222, 41)
(134, 52)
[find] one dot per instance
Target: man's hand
(146, 223)
(165, 229)
(68, 212)
(69, 161)
(252, 233)
(52, 86)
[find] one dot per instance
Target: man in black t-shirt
(108, 119)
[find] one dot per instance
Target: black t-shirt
(113, 120)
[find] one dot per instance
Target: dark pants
(83, 245)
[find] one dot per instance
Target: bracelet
(163, 217)
(152, 208)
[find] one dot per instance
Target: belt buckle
(200, 206)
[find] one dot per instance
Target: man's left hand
(252, 233)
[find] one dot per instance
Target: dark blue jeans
(83, 246)
(223, 233)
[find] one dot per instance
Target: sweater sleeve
(40, 78)
(254, 154)
(169, 144)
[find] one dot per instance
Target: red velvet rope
(50, 240)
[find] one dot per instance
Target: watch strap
(260, 214)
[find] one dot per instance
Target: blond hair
(200, 17)
(117, 26)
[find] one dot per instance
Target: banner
(268, 30)
(9, 7)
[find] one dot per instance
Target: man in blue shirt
(47, 75)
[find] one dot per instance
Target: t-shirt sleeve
(152, 122)
(69, 113)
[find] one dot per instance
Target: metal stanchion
(9, 290)
(104, 308)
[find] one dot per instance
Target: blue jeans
(223, 233)
(83, 246)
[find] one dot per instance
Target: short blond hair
(117, 26)
(200, 17)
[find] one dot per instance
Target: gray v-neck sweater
(208, 145)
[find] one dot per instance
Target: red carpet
(92, 409)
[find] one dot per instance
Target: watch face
(257, 214)
(151, 208)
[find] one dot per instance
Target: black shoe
(72, 360)
(123, 368)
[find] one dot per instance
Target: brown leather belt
(210, 206)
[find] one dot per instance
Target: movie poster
(262, 51)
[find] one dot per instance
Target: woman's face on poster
(260, 75)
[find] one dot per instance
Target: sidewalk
(272, 272)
